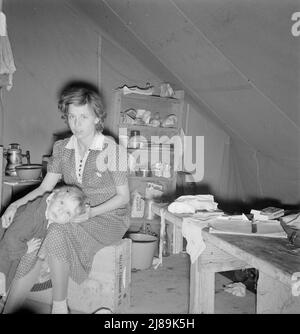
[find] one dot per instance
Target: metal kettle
(14, 158)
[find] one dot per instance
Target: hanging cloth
(7, 65)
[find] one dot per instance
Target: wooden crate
(108, 284)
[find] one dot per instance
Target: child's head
(66, 203)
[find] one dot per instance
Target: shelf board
(161, 146)
(146, 127)
(150, 97)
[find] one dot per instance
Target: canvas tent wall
(237, 62)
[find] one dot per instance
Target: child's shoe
(103, 310)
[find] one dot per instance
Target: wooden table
(277, 261)
(14, 188)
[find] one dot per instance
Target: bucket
(142, 250)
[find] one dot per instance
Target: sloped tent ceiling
(239, 59)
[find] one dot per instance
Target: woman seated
(97, 165)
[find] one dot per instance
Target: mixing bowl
(29, 171)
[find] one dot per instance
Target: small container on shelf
(134, 141)
(167, 171)
(157, 169)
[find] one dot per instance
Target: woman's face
(82, 120)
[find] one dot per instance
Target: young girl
(29, 226)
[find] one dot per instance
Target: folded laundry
(137, 90)
(193, 203)
(181, 207)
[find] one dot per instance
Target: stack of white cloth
(192, 203)
(192, 225)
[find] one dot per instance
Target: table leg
(202, 289)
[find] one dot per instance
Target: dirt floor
(166, 291)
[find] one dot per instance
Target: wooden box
(108, 284)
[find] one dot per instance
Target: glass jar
(134, 141)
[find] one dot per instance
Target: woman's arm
(47, 184)
(120, 199)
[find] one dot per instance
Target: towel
(237, 289)
(158, 261)
(7, 65)
(2, 285)
(192, 231)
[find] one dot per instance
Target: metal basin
(29, 171)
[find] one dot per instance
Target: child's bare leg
(60, 278)
(20, 289)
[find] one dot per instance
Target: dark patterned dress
(77, 243)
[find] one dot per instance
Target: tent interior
(236, 61)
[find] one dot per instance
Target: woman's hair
(73, 192)
(79, 96)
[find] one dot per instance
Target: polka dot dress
(77, 243)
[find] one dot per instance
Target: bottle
(149, 215)
(134, 141)
(167, 171)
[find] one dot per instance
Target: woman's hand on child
(8, 215)
(84, 216)
(33, 244)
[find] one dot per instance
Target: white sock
(60, 307)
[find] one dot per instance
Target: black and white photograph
(150, 159)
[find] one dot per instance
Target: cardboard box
(108, 284)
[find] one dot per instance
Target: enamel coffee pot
(14, 158)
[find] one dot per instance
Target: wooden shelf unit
(165, 107)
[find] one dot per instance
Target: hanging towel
(2, 285)
(158, 261)
(7, 65)
(192, 231)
